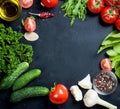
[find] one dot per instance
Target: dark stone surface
(65, 54)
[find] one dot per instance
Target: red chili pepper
(43, 15)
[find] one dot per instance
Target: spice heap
(105, 82)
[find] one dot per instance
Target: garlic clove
(76, 92)
(86, 82)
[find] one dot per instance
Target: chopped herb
(75, 8)
(12, 52)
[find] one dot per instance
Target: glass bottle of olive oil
(10, 10)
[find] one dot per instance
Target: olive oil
(10, 10)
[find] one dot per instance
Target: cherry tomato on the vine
(117, 24)
(49, 3)
(110, 2)
(95, 6)
(109, 14)
(29, 24)
(106, 64)
(59, 94)
(118, 2)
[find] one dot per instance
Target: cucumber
(28, 92)
(26, 78)
(8, 81)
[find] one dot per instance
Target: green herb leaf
(116, 48)
(12, 52)
(104, 47)
(75, 8)
(112, 43)
(117, 72)
(111, 52)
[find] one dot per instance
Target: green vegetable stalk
(112, 44)
(75, 8)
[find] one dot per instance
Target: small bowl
(105, 82)
(10, 10)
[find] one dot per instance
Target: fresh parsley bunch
(12, 52)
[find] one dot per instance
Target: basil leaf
(111, 52)
(116, 48)
(117, 72)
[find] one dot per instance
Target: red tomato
(106, 64)
(109, 14)
(110, 2)
(59, 94)
(95, 6)
(117, 24)
(49, 3)
(26, 3)
(30, 24)
(118, 2)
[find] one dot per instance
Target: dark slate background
(64, 53)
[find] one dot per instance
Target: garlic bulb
(91, 98)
